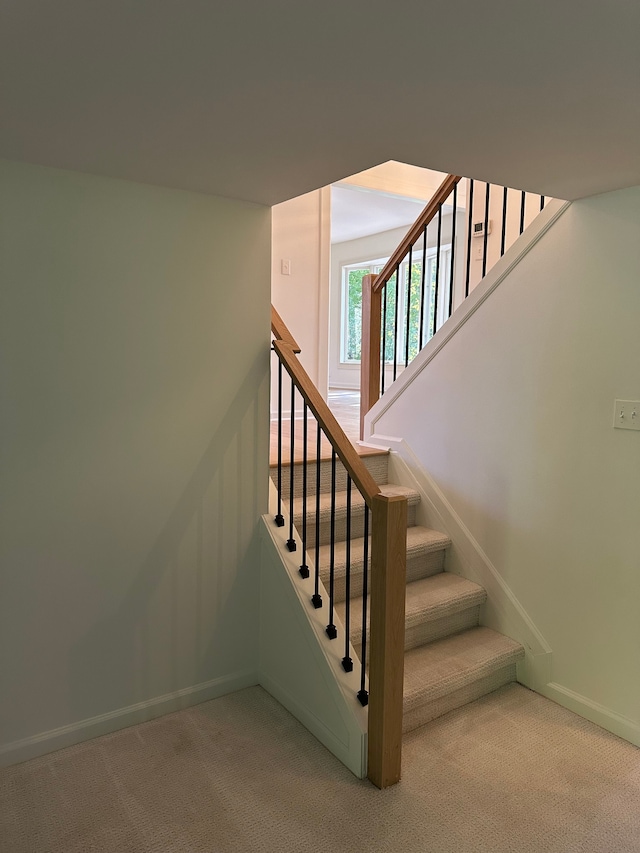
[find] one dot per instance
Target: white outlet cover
(626, 414)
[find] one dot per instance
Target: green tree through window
(354, 313)
(407, 298)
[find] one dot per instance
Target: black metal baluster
(504, 220)
(439, 239)
(453, 247)
(304, 568)
(316, 598)
(384, 338)
(279, 516)
(522, 201)
(363, 695)
(469, 233)
(541, 202)
(395, 325)
(347, 662)
(422, 300)
(291, 542)
(406, 347)
(486, 231)
(332, 631)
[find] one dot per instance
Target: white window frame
(372, 266)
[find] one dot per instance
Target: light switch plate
(627, 414)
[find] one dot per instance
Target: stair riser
(419, 565)
(428, 631)
(376, 465)
(357, 524)
(431, 710)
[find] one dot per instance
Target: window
(420, 323)
(351, 331)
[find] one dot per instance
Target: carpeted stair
(449, 659)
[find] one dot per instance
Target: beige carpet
(511, 772)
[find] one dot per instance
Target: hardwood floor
(345, 405)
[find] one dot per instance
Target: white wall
(494, 237)
(134, 446)
(301, 234)
(512, 419)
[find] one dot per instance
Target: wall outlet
(285, 266)
(626, 414)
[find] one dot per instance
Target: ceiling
(358, 213)
(262, 101)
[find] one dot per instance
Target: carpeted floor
(511, 772)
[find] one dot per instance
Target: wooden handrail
(334, 432)
(370, 358)
(281, 332)
(441, 195)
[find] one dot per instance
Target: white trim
(122, 718)
(593, 711)
(324, 288)
(521, 247)
(371, 266)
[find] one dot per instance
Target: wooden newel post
(386, 662)
(370, 352)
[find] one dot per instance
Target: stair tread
(392, 489)
(436, 669)
(440, 595)
(419, 540)
(427, 599)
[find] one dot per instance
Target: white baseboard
(593, 711)
(122, 718)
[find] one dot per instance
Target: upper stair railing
(369, 513)
(415, 293)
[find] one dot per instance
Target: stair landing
(345, 406)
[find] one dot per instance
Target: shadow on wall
(191, 612)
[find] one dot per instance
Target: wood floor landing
(345, 405)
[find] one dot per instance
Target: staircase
(450, 659)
